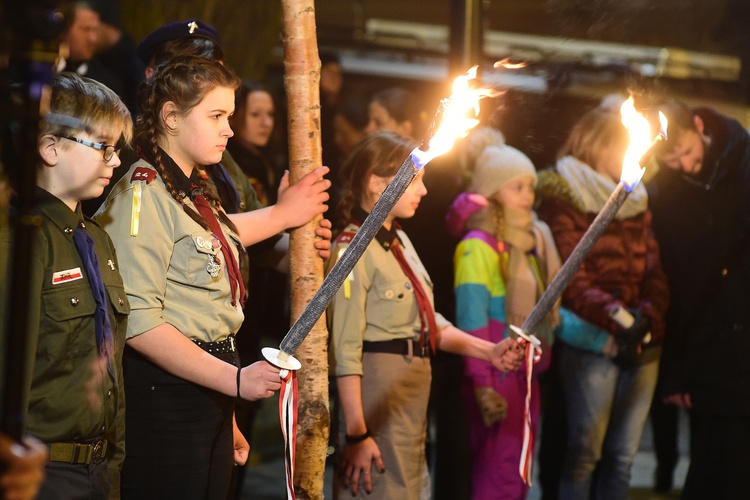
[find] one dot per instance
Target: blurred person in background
(80, 39)
(608, 371)
(700, 198)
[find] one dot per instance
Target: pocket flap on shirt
(118, 299)
(394, 290)
(73, 300)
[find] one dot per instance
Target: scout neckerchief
(428, 326)
(390, 241)
(233, 268)
(188, 186)
(103, 328)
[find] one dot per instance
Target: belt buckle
(424, 350)
(97, 454)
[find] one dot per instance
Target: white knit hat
(497, 166)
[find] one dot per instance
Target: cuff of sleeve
(143, 320)
(345, 370)
(577, 332)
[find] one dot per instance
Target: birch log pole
(301, 80)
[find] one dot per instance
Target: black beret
(189, 27)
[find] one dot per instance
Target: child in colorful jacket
(502, 266)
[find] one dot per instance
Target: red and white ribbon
(527, 449)
(288, 415)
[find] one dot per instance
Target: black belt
(78, 453)
(404, 347)
(222, 346)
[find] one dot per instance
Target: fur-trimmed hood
(588, 191)
(552, 185)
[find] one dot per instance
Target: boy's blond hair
(80, 104)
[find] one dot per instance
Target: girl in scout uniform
(383, 329)
(502, 266)
(182, 278)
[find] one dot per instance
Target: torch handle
(571, 265)
(338, 273)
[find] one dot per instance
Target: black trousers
(665, 424)
(179, 441)
(75, 482)
(719, 456)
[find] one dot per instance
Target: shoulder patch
(143, 174)
(346, 237)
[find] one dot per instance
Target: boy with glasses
(78, 311)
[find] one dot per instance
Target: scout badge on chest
(210, 246)
(217, 244)
(213, 267)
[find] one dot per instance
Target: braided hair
(380, 154)
(184, 81)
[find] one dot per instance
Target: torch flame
(507, 64)
(663, 125)
(640, 142)
(459, 116)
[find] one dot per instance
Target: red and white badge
(143, 174)
(61, 277)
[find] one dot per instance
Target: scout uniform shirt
(172, 274)
(376, 301)
(70, 398)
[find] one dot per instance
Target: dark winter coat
(622, 268)
(702, 225)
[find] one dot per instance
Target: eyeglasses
(107, 149)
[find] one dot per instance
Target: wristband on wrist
(357, 438)
(239, 372)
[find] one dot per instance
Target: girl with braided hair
(504, 262)
(181, 275)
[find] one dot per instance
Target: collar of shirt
(58, 212)
(180, 181)
(384, 236)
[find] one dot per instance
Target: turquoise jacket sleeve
(577, 332)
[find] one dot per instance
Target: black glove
(629, 339)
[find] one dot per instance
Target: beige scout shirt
(376, 302)
(165, 267)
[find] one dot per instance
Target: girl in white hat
(502, 266)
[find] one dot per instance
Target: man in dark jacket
(701, 216)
